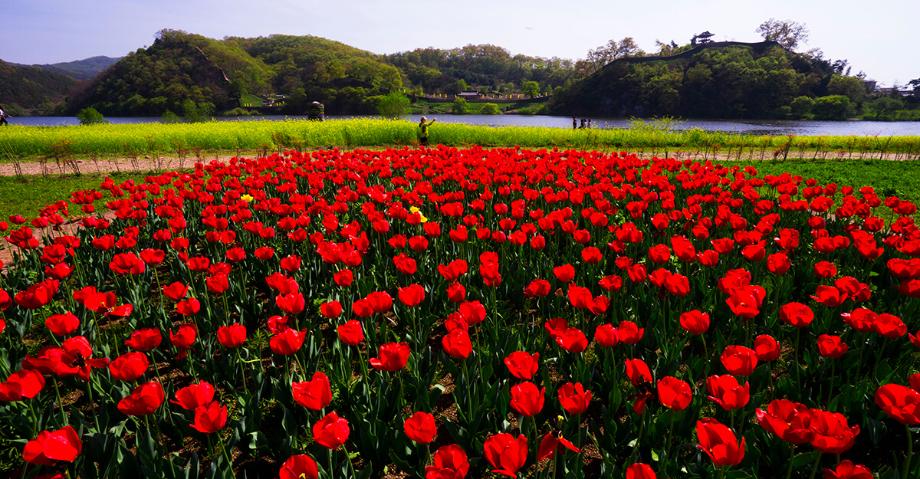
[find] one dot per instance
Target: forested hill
(182, 69)
(85, 69)
(718, 80)
(32, 89)
(479, 67)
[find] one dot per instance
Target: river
(766, 127)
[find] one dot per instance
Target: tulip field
(454, 313)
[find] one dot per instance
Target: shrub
(90, 116)
(392, 105)
(490, 109)
(832, 107)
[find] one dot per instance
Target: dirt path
(145, 164)
(119, 165)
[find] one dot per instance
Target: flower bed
(453, 313)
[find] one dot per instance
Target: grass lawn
(28, 194)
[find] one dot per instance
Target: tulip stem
(910, 452)
(814, 468)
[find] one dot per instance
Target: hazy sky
(878, 37)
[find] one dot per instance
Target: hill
(32, 90)
(182, 69)
(85, 69)
(715, 80)
(486, 68)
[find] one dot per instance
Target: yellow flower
(413, 210)
(247, 198)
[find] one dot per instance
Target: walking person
(423, 125)
(3, 117)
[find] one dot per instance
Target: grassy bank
(189, 139)
(28, 194)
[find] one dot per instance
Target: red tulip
(62, 324)
(23, 384)
(232, 336)
(695, 322)
(331, 309)
(564, 273)
(522, 365)
(674, 393)
(188, 307)
(457, 344)
(832, 434)
(314, 394)
(900, 402)
(448, 462)
(638, 372)
(146, 339)
(287, 342)
(831, 346)
(629, 332)
(719, 442)
(506, 453)
(129, 366)
(210, 418)
(391, 357)
(786, 419)
(143, 400)
(549, 443)
(796, 314)
(193, 396)
(291, 303)
(739, 360)
(343, 278)
(726, 392)
(331, 431)
(766, 347)
(299, 466)
(574, 398)
(420, 427)
(127, 263)
(412, 295)
(526, 399)
(640, 471)
(847, 470)
(62, 445)
(175, 291)
(351, 333)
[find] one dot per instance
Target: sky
(876, 37)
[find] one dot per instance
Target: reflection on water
(760, 127)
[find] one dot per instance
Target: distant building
(871, 85)
(469, 95)
(702, 38)
(894, 91)
(275, 100)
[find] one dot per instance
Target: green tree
(850, 87)
(392, 105)
(883, 108)
(832, 107)
(490, 109)
(531, 88)
(787, 33)
(802, 106)
(90, 116)
(459, 106)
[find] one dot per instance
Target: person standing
(574, 123)
(3, 117)
(423, 125)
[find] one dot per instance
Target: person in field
(423, 125)
(3, 117)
